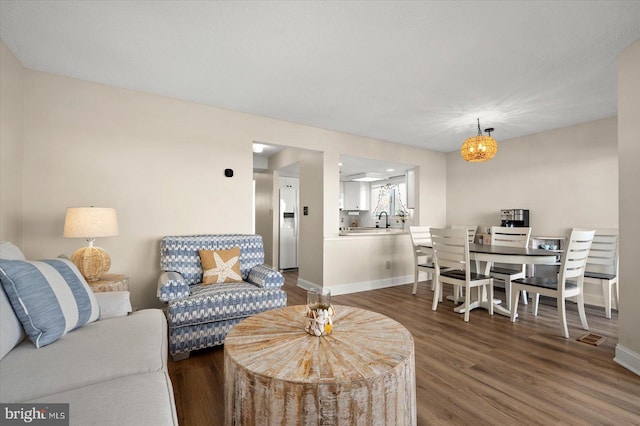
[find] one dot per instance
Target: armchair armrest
(265, 277)
(171, 286)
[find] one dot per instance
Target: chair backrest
(512, 237)
(451, 249)
(420, 235)
(471, 231)
(603, 256)
(180, 253)
(574, 258)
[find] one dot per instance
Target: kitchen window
(390, 197)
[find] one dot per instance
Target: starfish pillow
(220, 266)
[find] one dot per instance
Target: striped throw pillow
(50, 297)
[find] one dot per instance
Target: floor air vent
(592, 339)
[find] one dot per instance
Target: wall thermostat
(228, 172)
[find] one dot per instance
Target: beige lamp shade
(89, 223)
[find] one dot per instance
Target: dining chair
(572, 265)
(511, 237)
(471, 231)
(602, 266)
(451, 251)
(420, 235)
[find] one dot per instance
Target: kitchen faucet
(386, 215)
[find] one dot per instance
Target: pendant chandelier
(479, 148)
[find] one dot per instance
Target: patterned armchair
(200, 316)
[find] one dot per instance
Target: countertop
(371, 231)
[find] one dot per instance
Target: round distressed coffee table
(277, 374)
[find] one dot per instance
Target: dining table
(486, 255)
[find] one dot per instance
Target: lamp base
(93, 262)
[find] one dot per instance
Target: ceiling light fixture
(366, 177)
(479, 148)
(258, 148)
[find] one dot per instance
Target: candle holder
(319, 313)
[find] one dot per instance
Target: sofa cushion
(140, 399)
(222, 302)
(199, 336)
(9, 251)
(220, 266)
(100, 351)
(50, 297)
(11, 331)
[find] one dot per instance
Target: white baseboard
(628, 359)
(307, 285)
(594, 300)
(360, 286)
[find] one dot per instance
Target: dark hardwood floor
(487, 371)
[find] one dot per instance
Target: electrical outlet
(388, 264)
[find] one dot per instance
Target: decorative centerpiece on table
(319, 313)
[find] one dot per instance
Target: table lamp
(90, 223)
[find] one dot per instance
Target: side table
(110, 282)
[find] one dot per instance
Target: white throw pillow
(10, 251)
(113, 304)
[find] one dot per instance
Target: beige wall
(628, 349)
(159, 162)
(311, 238)
(566, 177)
(265, 213)
(11, 139)
(360, 262)
(336, 256)
(311, 189)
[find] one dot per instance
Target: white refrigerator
(288, 257)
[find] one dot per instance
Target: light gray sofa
(110, 372)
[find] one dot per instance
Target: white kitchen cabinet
(356, 196)
(341, 196)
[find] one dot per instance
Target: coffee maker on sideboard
(514, 218)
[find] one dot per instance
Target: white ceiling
(417, 73)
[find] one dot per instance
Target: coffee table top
(363, 345)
